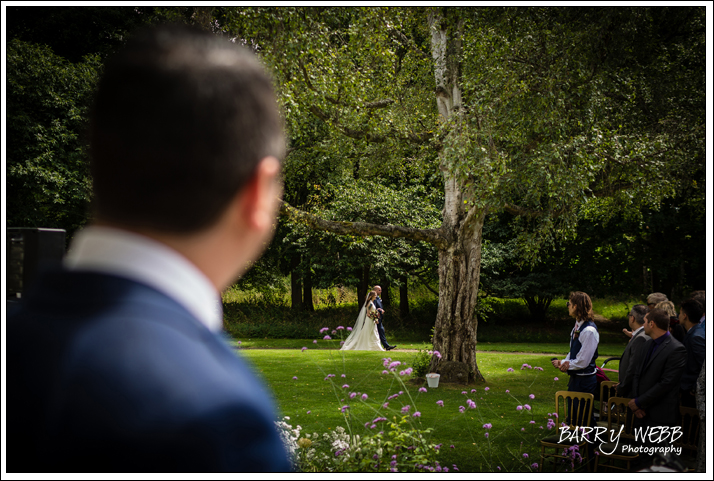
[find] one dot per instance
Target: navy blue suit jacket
(696, 345)
(109, 375)
(378, 304)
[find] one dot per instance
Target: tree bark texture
(460, 259)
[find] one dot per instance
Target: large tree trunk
(460, 258)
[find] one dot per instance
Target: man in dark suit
(655, 387)
(690, 312)
(628, 361)
(116, 362)
(380, 324)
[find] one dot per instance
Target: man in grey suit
(628, 361)
(655, 388)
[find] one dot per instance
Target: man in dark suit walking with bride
(380, 324)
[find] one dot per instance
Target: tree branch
(432, 236)
(366, 135)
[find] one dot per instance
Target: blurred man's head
(186, 141)
(181, 120)
(690, 311)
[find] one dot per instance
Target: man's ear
(260, 198)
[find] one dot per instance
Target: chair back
(607, 389)
(581, 405)
(618, 414)
(690, 428)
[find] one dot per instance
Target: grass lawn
(314, 403)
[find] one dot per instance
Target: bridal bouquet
(374, 315)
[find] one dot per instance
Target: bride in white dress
(364, 336)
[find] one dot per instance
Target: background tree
(540, 112)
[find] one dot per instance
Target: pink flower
(523, 429)
(334, 332)
(440, 403)
(324, 329)
(385, 405)
(345, 386)
(402, 373)
(486, 389)
(342, 342)
(385, 372)
(239, 343)
(555, 379)
(507, 391)
(422, 389)
(437, 354)
(534, 465)
(373, 426)
(525, 455)
(462, 409)
(527, 407)
(473, 390)
(417, 414)
(486, 434)
(295, 378)
(532, 396)
(345, 408)
(487, 426)
(304, 349)
(364, 397)
(308, 412)
(326, 338)
(342, 375)
(408, 371)
(352, 395)
(339, 328)
(531, 422)
(510, 369)
(349, 329)
(406, 408)
(315, 341)
(519, 408)
(463, 392)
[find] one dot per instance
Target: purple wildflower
(352, 395)
(406, 408)
(507, 391)
(519, 408)
(487, 426)
(555, 379)
(345, 408)
(385, 405)
(324, 329)
(326, 338)
(349, 329)
(510, 369)
(532, 396)
(440, 403)
(345, 386)
(486, 434)
(462, 409)
(308, 412)
(364, 397)
(343, 375)
(422, 389)
(294, 378)
(417, 414)
(304, 349)
(339, 328)
(525, 455)
(385, 372)
(534, 465)
(527, 407)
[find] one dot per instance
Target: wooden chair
(576, 409)
(618, 414)
(689, 442)
(607, 390)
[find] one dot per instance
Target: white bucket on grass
(433, 379)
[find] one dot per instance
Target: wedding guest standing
(579, 363)
(690, 312)
(629, 359)
(116, 363)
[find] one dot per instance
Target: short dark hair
(660, 318)
(181, 118)
(639, 311)
(700, 296)
(693, 309)
(583, 305)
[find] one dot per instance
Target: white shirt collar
(634, 333)
(141, 259)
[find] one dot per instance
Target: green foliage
(421, 362)
(47, 165)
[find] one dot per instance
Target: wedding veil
(359, 325)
